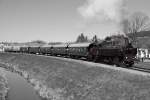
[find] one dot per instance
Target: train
(114, 50)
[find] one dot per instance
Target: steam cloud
(103, 10)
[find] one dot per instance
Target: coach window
(80, 49)
(83, 49)
(77, 50)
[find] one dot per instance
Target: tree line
(82, 38)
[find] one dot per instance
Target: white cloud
(103, 10)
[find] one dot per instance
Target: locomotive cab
(128, 52)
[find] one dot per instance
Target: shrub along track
(67, 79)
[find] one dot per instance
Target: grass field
(3, 86)
(71, 80)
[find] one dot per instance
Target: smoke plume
(103, 10)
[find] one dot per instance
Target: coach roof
(60, 45)
(79, 45)
(47, 45)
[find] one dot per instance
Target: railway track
(140, 69)
(132, 68)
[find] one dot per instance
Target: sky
(63, 20)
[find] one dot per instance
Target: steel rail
(140, 69)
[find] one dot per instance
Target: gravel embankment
(145, 65)
(62, 79)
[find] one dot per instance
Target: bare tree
(135, 23)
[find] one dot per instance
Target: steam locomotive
(113, 50)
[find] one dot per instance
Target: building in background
(143, 54)
(1, 47)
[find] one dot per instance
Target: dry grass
(77, 81)
(3, 86)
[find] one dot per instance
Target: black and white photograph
(74, 49)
